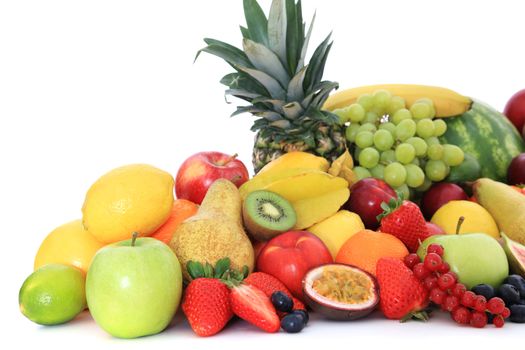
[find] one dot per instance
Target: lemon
(477, 218)
(53, 294)
(132, 198)
(69, 244)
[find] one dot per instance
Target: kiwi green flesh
(266, 214)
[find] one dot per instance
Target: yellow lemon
(68, 244)
(132, 198)
(477, 218)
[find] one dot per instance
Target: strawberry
(269, 284)
(206, 301)
(254, 306)
(403, 296)
(404, 220)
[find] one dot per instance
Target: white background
(86, 86)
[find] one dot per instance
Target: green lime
(53, 294)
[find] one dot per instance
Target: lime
(53, 294)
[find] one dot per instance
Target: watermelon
(488, 136)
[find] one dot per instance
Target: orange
(366, 247)
(181, 210)
(69, 244)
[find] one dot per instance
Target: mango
(261, 181)
(295, 160)
(312, 210)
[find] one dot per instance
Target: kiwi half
(266, 214)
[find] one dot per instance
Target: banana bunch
(447, 103)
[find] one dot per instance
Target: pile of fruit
(398, 199)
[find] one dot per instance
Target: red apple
(434, 229)
(516, 171)
(515, 109)
(198, 172)
(365, 200)
(438, 195)
(290, 255)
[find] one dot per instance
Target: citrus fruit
(366, 247)
(477, 218)
(133, 198)
(53, 294)
(69, 244)
(181, 210)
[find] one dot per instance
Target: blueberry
(303, 314)
(518, 282)
(292, 323)
(521, 302)
(517, 313)
(484, 289)
(282, 302)
(509, 294)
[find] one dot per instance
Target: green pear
(506, 206)
(475, 257)
(215, 231)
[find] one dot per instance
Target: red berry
(444, 268)
(468, 298)
(446, 281)
(411, 260)
(496, 305)
(436, 248)
(506, 312)
(451, 302)
(461, 315)
(478, 319)
(420, 271)
(459, 289)
(431, 282)
(437, 296)
(433, 262)
(480, 304)
(498, 321)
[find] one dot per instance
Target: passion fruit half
(340, 292)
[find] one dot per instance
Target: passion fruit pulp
(340, 292)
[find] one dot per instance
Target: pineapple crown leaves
(285, 94)
(222, 271)
(392, 205)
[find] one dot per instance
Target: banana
(447, 103)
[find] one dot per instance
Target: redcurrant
(496, 305)
(446, 281)
(411, 260)
(436, 248)
(420, 271)
(478, 319)
(432, 261)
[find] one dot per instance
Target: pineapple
(285, 95)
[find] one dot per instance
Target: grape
(415, 176)
(364, 139)
(357, 151)
(416, 161)
(421, 110)
(430, 103)
(395, 174)
(342, 113)
(435, 152)
(369, 157)
(440, 127)
(351, 132)
(371, 117)
(368, 127)
(388, 126)
(400, 115)
(403, 190)
(381, 100)
(361, 172)
(432, 141)
(436, 170)
(405, 153)
(355, 112)
(425, 128)
(405, 129)
(419, 145)
(378, 171)
(425, 186)
(452, 155)
(388, 157)
(366, 101)
(383, 140)
(396, 103)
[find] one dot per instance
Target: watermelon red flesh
(487, 135)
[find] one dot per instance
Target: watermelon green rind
(488, 136)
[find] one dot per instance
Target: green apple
(475, 257)
(133, 287)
